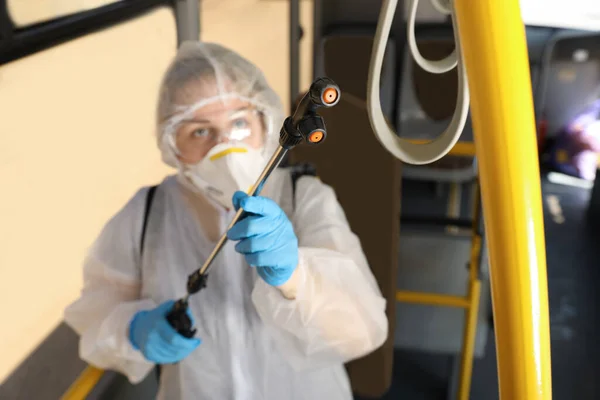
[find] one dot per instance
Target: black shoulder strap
(297, 171)
(149, 198)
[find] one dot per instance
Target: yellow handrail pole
(431, 299)
(474, 296)
(459, 149)
(83, 385)
(496, 61)
(469, 333)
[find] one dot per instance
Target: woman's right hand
(155, 338)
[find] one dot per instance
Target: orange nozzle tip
(330, 95)
(316, 137)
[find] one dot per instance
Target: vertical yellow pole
(466, 363)
(495, 55)
(474, 297)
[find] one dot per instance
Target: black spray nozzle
(322, 93)
(305, 124)
(312, 128)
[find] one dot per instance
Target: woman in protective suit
(290, 298)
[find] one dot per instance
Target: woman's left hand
(266, 238)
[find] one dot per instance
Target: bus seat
(437, 263)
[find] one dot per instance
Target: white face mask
(227, 168)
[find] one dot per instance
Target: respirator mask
(227, 168)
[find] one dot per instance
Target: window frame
(18, 42)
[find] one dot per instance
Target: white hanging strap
(434, 67)
(403, 149)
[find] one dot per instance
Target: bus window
(76, 141)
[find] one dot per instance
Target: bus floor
(573, 265)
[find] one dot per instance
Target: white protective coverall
(256, 343)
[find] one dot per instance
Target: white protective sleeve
(110, 296)
(338, 312)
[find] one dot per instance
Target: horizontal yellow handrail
(432, 299)
(464, 149)
(83, 385)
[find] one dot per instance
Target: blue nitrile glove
(150, 333)
(266, 238)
